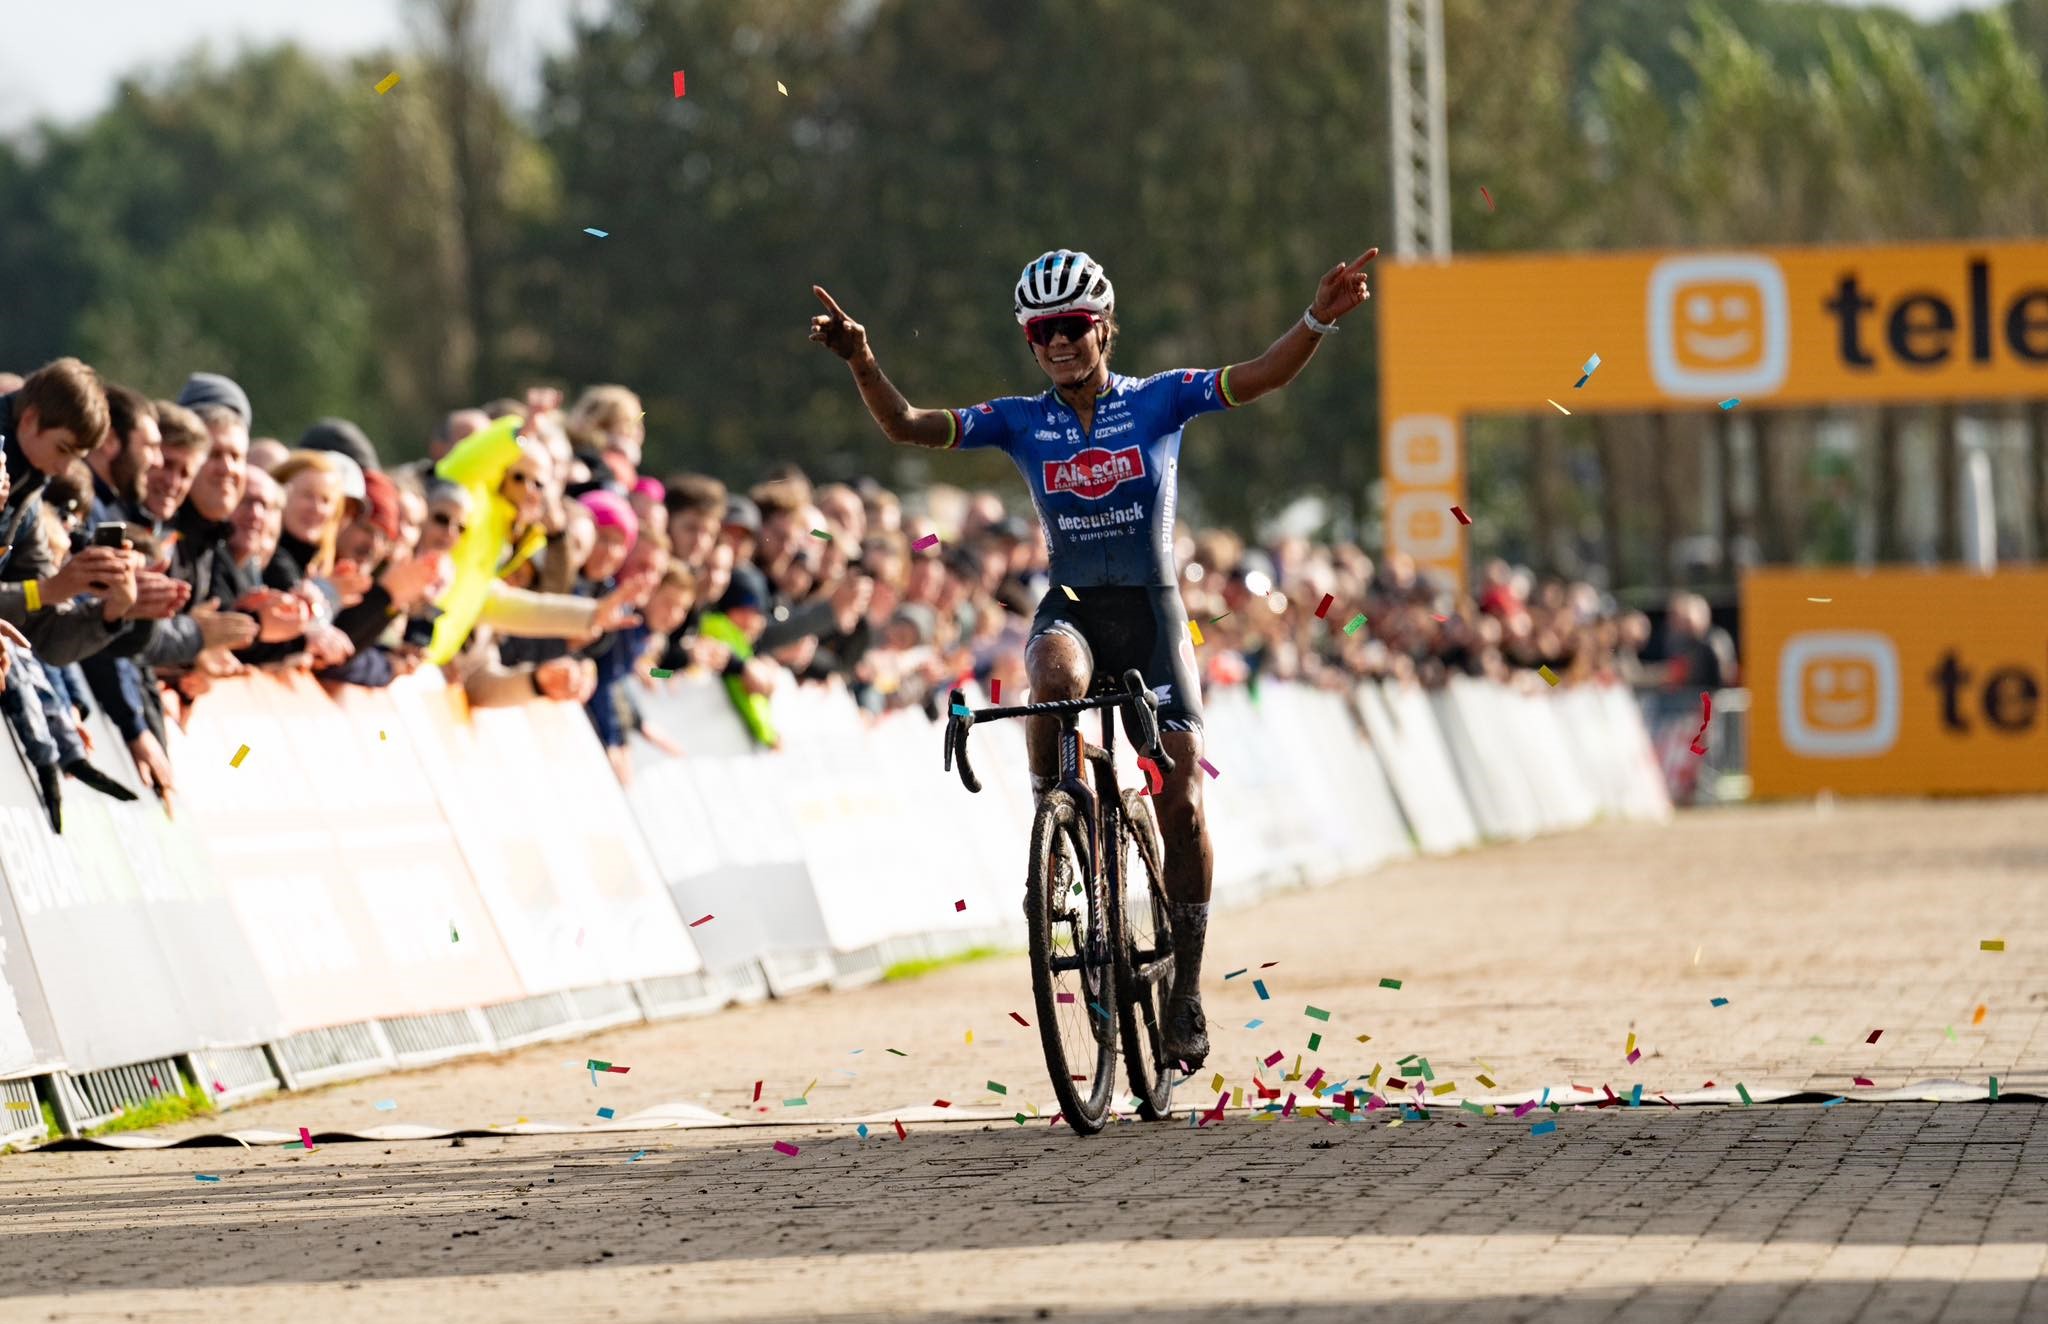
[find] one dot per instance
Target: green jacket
(753, 708)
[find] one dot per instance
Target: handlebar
(1140, 703)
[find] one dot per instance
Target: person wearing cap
(210, 388)
(343, 438)
(742, 528)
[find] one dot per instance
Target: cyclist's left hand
(1343, 288)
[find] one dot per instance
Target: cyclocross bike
(1101, 946)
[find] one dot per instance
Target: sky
(95, 42)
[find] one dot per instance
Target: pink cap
(610, 510)
(652, 489)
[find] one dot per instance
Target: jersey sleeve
(986, 424)
(1192, 391)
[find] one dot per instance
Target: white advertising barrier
(1410, 743)
(1497, 788)
(563, 870)
(723, 842)
(134, 949)
(1612, 747)
(342, 869)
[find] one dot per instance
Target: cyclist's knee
(1058, 667)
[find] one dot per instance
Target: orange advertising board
(1764, 327)
(1897, 682)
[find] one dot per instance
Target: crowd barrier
(388, 879)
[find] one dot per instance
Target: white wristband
(1308, 319)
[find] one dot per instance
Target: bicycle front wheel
(1073, 964)
(1147, 969)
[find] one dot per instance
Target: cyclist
(1100, 453)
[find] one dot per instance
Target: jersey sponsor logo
(1047, 434)
(1095, 472)
(985, 409)
(1188, 376)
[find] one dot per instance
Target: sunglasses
(1074, 326)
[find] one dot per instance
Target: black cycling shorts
(1122, 628)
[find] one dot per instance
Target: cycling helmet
(1063, 281)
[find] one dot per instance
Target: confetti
(219, 1088)
(204, 1176)
(1994, 1087)
(1020, 1020)
(861, 1130)
(240, 754)
(798, 1102)
(1235, 973)
(1699, 742)
(784, 1147)
(942, 1103)
(1315, 1013)
(757, 1091)
(679, 82)
(1458, 512)
(1444, 1088)
(1991, 945)
(1864, 1081)
(1063, 997)
(1586, 372)
(390, 81)
(661, 673)
(453, 936)
(1549, 676)
(1873, 1036)
(1542, 1128)
(1743, 1090)
(929, 540)
(385, 1105)
(1071, 595)
(1195, 633)
(995, 690)
(1352, 626)
(605, 1113)
(1630, 1046)
(1558, 407)
(1276, 1056)
(785, 91)
(620, 1071)
(900, 1135)
(1829, 1103)
(1214, 619)
(1719, 1002)
(1635, 1097)
(1259, 987)
(1390, 983)
(1528, 1106)
(706, 920)
(1634, 1055)
(305, 1137)
(1731, 402)
(1255, 1024)
(18, 1106)
(594, 1065)
(1488, 196)
(592, 230)
(1978, 1019)
(637, 1157)
(1820, 599)
(1209, 768)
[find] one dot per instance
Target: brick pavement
(1536, 959)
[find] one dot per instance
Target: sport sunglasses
(1044, 330)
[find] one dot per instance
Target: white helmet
(1063, 281)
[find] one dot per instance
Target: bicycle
(1099, 973)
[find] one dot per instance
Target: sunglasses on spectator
(1044, 330)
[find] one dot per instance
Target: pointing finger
(1365, 257)
(826, 299)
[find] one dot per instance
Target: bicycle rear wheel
(1073, 964)
(1145, 975)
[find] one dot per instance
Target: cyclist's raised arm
(899, 421)
(1341, 290)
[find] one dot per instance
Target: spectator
(209, 388)
(607, 430)
(121, 464)
(266, 453)
(184, 444)
(738, 621)
(696, 511)
(341, 437)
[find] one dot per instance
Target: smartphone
(113, 534)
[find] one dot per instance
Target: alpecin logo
(1095, 472)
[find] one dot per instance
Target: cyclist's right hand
(835, 330)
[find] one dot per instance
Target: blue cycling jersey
(1105, 496)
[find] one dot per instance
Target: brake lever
(957, 727)
(1147, 709)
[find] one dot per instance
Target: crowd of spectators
(151, 547)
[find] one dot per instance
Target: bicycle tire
(1087, 1018)
(1142, 923)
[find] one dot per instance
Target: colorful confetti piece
(861, 1130)
(1991, 945)
(204, 1176)
(1820, 599)
(1994, 1087)
(305, 1137)
(385, 1105)
(1275, 1057)
(1259, 987)
(1315, 1013)
(1864, 1081)
(388, 82)
(1209, 768)
(706, 920)
(1549, 676)
(1743, 1090)
(1195, 633)
(592, 230)
(1829, 1103)
(1458, 513)
(1558, 407)
(929, 540)
(785, 91)
(1390, 983)
(1719, 1002)
(1020, 1020)
(1542, 1128)
(1488, 196)
(1235, 973)
(785, 1148)
(679, 82)
(1323, 608)
(1592, 365)
(1978, 1018)
(1255, 1023)
(1071, 595)
(661, 673)
(1873, 1036)
(900, 1133)
(1355, 624)
(1731, 402)
(605, 1113)
(995, 1088)
(240, 754)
